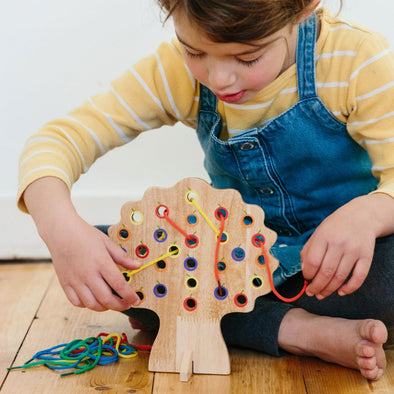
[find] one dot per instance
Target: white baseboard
(19, 238)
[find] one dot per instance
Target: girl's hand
(342, 246)
(84, 260)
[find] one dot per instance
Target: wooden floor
(35, 315)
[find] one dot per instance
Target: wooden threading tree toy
(205, 254)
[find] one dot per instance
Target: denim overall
(299, 167)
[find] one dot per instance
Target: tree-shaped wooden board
(204, 253)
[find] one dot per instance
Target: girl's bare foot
(356, 344)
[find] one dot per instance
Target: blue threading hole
(238, 254)
(190, 263)
(160, 290)
(160, 235)
(220, 293)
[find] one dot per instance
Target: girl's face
(236, 72)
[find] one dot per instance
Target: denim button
(285, 231)
(247, 146)
(267, 190)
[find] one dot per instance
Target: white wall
(54, 54)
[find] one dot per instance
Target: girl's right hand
(84, 258)
(85, 262)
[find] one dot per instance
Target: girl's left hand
(339, 254)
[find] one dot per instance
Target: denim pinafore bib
(299, 167)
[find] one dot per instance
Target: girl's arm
(84, 258)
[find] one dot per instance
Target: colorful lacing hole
(238, 254)
(190, 264)
(136, 217)
(123, 234)
(220, 293)
(160, 290)
(190, 304)
(241, 300)
(142, 251)
(247, 221)
(160, 235)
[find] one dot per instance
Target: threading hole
(142, 251)
(247, 221)
(238, 254)
(222, 266)
(161, 265)
(191, 241)
(241, 300)
(190, 264)
(160, 235)
(192, 196)
(257, 282)
(191, 283)
(224, 238)
(190, 304)
(140, 295)
(174, 250)
(221, 213)
(220, 293)
(161, 211)
(258, 240)
(192, 219)
(123, 234)
(136, 217)
(160, 290)
(127, 276)
(260, 260)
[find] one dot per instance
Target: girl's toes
(367, 363)
(372, 374)
(364, 349)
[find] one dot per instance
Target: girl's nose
(221, 75)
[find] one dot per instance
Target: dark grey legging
(258, 329)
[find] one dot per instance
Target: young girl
(293, 108)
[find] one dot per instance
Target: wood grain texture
(22, 288)
(325, 378)
(251, 372)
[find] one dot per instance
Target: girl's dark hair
(240, 21)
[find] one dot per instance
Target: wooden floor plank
(325, 378)
(251, 372)
(22, 287)
(58, 322)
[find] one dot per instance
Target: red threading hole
(142, 251)
(190, 304)
(221, 213)
(241, 300)
(191, 241)
(161, 211)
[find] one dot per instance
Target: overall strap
(306, 58)
(208, 101)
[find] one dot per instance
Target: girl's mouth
(231, 98)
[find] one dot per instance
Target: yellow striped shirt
(354, 76)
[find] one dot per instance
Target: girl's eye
(249, 63)
(193, 55)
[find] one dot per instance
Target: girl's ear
(308, 10)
